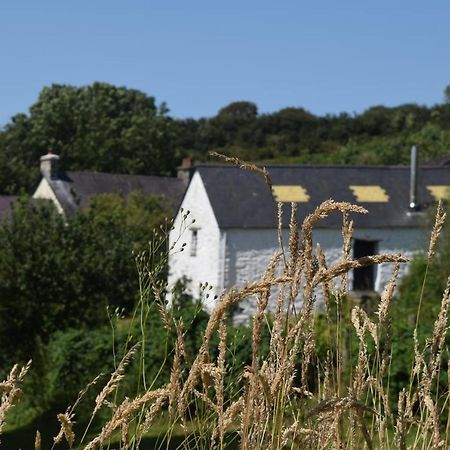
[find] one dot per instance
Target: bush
(58, 273)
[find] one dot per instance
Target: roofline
(327, 227)
(90, 172)
(9, 197)
(322, 166)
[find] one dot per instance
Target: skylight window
(369, 194)
(296, 194)
(439, 192)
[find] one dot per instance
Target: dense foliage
(57, 273)
(379, 135)
(426, 280)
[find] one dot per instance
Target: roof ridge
(323, 166)
(90, 172)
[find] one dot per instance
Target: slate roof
(241, 199)
(6, 202)
(442, 161)
(74, 189)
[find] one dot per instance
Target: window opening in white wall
(194, 242)
(364, 277)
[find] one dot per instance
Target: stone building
(234, 233)
(70, 190)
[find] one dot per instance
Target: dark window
(364, 278)
(194, 242)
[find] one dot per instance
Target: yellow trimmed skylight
(369, 194)
(296, 194)
(439, 192)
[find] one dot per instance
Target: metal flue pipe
(413, 200)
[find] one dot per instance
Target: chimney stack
(50, 166)
(184, 171)
(413, 181)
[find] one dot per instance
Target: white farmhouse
(234, 233)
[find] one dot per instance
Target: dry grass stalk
(345, 266)
(123, 414)
(400, 426)
(152, 413)
(224, 303)
(246, 166)
(294, 242)
(387, 295)
(347, 233)
(66, 430)
(437, 228)
(261, 306)
(175, 374)
(440, 328)
(326, 286)
(115, 379)
(66, 419)
(11, 391)
(320, 213)
(219, 379)
(38, 441)
(280, 230)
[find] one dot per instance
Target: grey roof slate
(241, 199)
(6, 203)
(74, 189)
(442, 161)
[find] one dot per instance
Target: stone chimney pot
(50, 166)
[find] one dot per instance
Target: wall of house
(206, 265)
(248, 252)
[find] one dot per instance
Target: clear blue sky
(327, 56)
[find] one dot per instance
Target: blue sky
(327, 56)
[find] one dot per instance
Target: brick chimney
(184, 171)
(50, 166)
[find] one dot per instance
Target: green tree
(423, 283)
(98, 127)
(56, 274)
(447, 94)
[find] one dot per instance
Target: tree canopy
(98, 127)
(379, 135)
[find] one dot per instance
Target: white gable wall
(207, 265)
(44, 191)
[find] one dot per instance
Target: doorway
(364, 277)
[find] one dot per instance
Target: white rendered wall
(207, 264)
(248, 252)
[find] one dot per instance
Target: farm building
(235, 230)
(70, 190)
